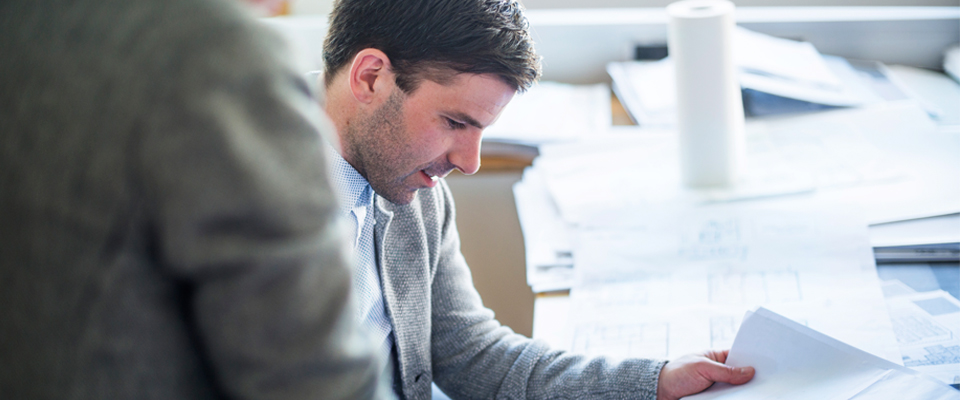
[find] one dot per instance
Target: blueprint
(678, 283)
(927, 326)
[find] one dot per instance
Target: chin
(402, 198)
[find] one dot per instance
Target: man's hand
(696, 372)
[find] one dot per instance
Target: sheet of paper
(895, 287)
(903, 385)
(553, 112)
(630, 320)
(793, 361)
(855, 90)
(767, 64)
(784, 59)
(678, 282)
(925, 181)
(940, 229)
(616, 174)
(927, 325)
(742, 237)
(546, 236)
(783, 158)
(646, 89)
(796, 70)
(937, 93)
(887, 159)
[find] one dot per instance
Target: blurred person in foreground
(411, 85)
(167, 228)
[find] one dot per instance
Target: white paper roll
(709, 106)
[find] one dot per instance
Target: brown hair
(435, 39)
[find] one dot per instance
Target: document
(793, 361)
(679, 282)
(784, 68)
(553, 112)
(941, 229)
(647, 90)
(907, 170)
(745, 237)
(951, 62)
(935, 92)
(796, 70)
(546, 236)
(887, 159)
(927, 325)
(594, 180)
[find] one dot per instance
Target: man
(167, 229)
(410, 85)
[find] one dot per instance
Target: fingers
(695, 372)
(718, 372)
(719, 356)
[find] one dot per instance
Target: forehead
(480, 96)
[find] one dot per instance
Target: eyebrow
(466, 119)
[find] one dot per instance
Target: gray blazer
(166, 223)
(444, 334)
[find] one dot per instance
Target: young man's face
(410, 139)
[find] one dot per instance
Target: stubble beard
(379, 152)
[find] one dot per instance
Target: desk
(550, 310)
(492, 241)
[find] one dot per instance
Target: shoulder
(212, 46)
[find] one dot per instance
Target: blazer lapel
(401, 254)
(390, 277)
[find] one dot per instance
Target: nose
(465, 155)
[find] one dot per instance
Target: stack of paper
(777, 75)
(887, 159)
(552, 112)
(942, 229)
(546, 236)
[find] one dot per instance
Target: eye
(454, 124)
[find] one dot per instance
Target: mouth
(430, 180)
(432, 173)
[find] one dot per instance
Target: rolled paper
(709, 104)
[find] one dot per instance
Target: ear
(371, 77)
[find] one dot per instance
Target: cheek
(427, 139)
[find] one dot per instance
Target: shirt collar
(353, 191)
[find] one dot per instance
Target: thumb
(717, 372)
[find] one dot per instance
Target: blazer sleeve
(474, 357)
(244, 216)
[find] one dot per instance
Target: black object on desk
(924, 253)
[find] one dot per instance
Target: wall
(324, 6)
(537, 4)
